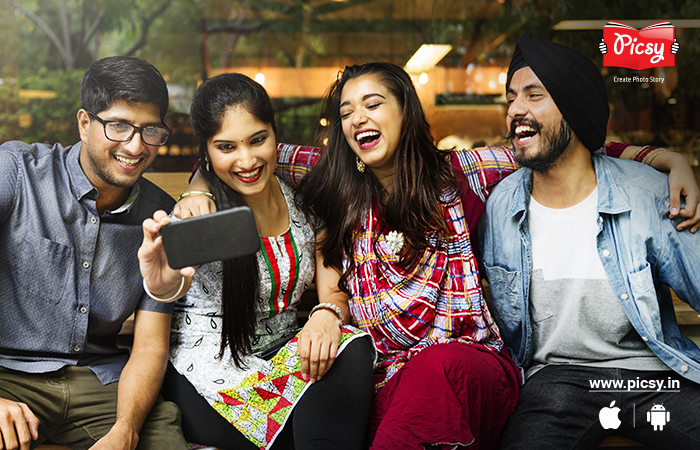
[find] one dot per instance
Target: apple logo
(608, 417)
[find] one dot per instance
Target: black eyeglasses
(117, 131)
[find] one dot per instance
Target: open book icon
(639, 49)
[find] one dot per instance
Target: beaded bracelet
(330, 307)
(191, 193)
(164, 300)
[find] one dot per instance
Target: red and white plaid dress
(439, 299)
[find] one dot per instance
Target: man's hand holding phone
(170, 252)
(160, 280)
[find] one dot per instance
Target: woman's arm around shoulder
(160, 281)
(196, 201)
(483, 167)
(295, 161)
(682, 183)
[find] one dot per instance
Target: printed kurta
(286, 267)
(258, 399)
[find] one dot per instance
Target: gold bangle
(653, 154)
(645, 149)
(191, 193)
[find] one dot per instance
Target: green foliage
(298, 120)
(174, 43)
(53, 120)
(9, 127)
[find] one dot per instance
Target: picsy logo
(652, 46)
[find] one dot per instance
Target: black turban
(572, 80)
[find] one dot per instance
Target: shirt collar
(135, 191)
(610, 200)
(521, 196)
(83, 188)
(80, 184)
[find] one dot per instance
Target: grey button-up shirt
(68, 276)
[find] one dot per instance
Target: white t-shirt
(576, 317)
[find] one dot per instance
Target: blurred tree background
(46, 45)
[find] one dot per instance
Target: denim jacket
(640, 249)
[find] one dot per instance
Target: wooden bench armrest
(684, 313)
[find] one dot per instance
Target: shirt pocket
(542, 303)
(645, 298)
(44, 267)
(505, 295)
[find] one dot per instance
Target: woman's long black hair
(338, 193)
(241, 280)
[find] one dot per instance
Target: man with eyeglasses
(70, 228)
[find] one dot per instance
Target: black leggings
(332, 414)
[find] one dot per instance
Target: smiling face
(116, 165)
(538, 130)
(371, 119)
(243, 153)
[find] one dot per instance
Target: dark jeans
(558, 409)
(332, 414)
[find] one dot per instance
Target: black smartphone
(219, 236)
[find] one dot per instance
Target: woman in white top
(231, 396)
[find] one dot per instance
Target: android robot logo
(658, 416)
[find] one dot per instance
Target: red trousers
(452, 395)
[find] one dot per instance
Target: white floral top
(286, 268)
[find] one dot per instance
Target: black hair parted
(222, 92)
(122, 78)
(241, 280)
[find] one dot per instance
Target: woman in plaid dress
(399, 232)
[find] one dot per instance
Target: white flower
(395, 241)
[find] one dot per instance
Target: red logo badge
(652, 46)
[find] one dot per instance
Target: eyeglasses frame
(134, 129)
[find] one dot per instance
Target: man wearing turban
(579, 253)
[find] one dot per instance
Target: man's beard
(553, 144)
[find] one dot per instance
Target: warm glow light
(423, 78)
(37, 94)
(485, 79)
(325, 141)
(323, 122)
(426, 57)
(260, 78)
(25, 120)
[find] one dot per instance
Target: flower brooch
(395, 241)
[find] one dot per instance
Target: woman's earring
(206, 160)
(360, 165)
